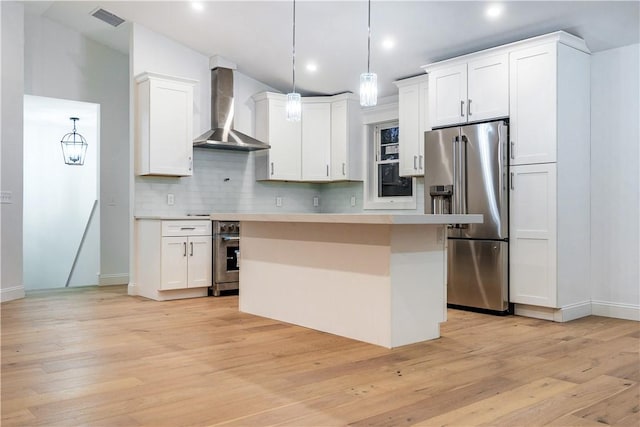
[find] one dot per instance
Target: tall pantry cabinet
(549, 101)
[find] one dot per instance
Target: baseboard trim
(9, 294)
(113, 279)
(132, 289)
(564, 314)
(616, 310)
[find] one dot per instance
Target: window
(386, 188)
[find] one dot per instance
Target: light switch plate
(6, 197)
(170, 199)
(316, 201)
(353, 201)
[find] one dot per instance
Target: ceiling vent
(107, 17)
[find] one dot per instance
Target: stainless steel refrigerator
(466, 172)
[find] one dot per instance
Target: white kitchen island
(371, 277)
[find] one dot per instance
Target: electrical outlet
(170, 199)
(279, 201)
(353, 201)
(316, 201)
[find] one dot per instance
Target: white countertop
(173, 217)
(350, 218)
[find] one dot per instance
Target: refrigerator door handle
(456, 188)
(462, 148)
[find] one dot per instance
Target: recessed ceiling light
(388, 43)
(197, 5)
(494, 11)
(312, 67)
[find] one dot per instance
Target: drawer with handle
(186, 228)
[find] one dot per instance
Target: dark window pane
(390, 184)
(389, 136)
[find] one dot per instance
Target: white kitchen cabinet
(164, 125)
(173, 258)
(316, 140)
(469, 91)
(413, 115)
(325, 145)
(283, 161)
(550, 178)
(533, 230)
(346, 138)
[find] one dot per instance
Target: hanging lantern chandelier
(294, 102)
(368, 80)
(74, 146)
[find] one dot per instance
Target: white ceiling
(257, 35)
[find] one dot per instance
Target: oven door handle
(230, 239)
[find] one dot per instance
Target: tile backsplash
(223, 181)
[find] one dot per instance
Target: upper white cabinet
(469, 91)
(316, 140)
(283, 160)
(413, 114)
(346, 138)
(164, 125)
(326, 145)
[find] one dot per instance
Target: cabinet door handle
(420, 164)
(415, 159)
(344, 173)
(271, 168)
(461, 108)
(512, 181)
(513, 151)
(469, 107)
(327, 170)
(191, 248)
(190, 163)
(185, 248)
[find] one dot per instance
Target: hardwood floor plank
(96, 356)
(565, 403)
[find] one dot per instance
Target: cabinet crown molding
(151, 75)
(326, 98)
(557, 37)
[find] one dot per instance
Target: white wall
(65, 193)
(615, 182)
(61, 63)
(11, 87)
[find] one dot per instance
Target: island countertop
(332, 218)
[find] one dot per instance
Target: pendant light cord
(368, 38)
(294, 46)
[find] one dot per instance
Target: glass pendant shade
(294, 107)
(368, 89)
(74, 146)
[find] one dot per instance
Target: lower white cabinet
(549, 240)
(533, 272)
(173, 258)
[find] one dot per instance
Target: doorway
(61, 213)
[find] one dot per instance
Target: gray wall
(11, 128)
(615, 182)
(61, 63)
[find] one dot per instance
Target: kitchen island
(377, 278)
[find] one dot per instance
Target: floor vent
(107, 17)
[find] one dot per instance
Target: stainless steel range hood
(222, 135)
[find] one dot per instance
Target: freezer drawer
(477, 274)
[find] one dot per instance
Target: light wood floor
(95, 356)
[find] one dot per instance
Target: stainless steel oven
(226, 256)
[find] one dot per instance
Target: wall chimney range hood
(222, 136)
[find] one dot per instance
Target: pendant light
(74, 146)
(294, 102)
(368, 80)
